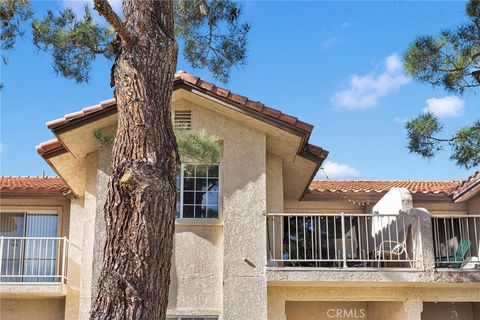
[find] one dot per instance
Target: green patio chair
(459, 255)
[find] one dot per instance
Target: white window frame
(182, 178)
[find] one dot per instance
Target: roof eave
(467, 193)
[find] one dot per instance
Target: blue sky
(336, 65)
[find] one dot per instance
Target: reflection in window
(197, 191)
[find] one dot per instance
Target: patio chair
(459, 255)
(390, 249)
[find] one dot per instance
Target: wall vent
(183, 119)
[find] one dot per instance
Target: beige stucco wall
(343, 205)
(196, 274)
(383, 302)
(314, 310)
(274, 185)
(75, 265)
(443, 207)
(327, 206)
(243, 207)
(89, 215)
(474, 205)
(32, 309)
(380, 310)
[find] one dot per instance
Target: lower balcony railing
(33, 259)
(456, 241)
(341, 240)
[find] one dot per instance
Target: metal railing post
(1, 256)
(344, 245)
(63, 259)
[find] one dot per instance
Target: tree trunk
(140, 207)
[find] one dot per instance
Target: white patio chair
(391, 248)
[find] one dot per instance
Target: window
(197, 191)
(29, 247)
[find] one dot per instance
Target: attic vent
(183, 119)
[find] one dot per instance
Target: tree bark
(140, 207)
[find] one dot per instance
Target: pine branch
(104, 9)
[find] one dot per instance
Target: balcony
(456, 241)
(33, 265)
(407, 247)
(341, 240)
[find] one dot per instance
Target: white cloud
(400, 120)
(447, 107)
(330, 42)
(346, 24)
(337, 170)
(2, 148)
(365, 91)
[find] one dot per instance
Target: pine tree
(140, 207)
(452, 61)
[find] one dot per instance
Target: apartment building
(256, 237)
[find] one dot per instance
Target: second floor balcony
(413, 241)
(34, 265)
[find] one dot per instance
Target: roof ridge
(471, 182)
(256, 108)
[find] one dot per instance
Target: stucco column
(103, 176)
(276, 304)
(413, 309)
(244, 228)
(423, 235)
(72, 299)
(88, 234)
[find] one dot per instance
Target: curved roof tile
(379, 186)
(33, 184)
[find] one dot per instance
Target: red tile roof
(32, 184)
(48, 146)
(470, 184)
(251, 106)
(243, 101)
(376, 186)
(84, 113)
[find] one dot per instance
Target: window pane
(201, 198)
(188, 197)
(12, 224)
(188, 212)
(201, 184)
(40, 254)
(212, 199)
(213, 171)
(201, 171)
(177, 181)
(189, 171)
(212, 184)
(200, 212)
(177, 205)
(189, 184)
(212, 212)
